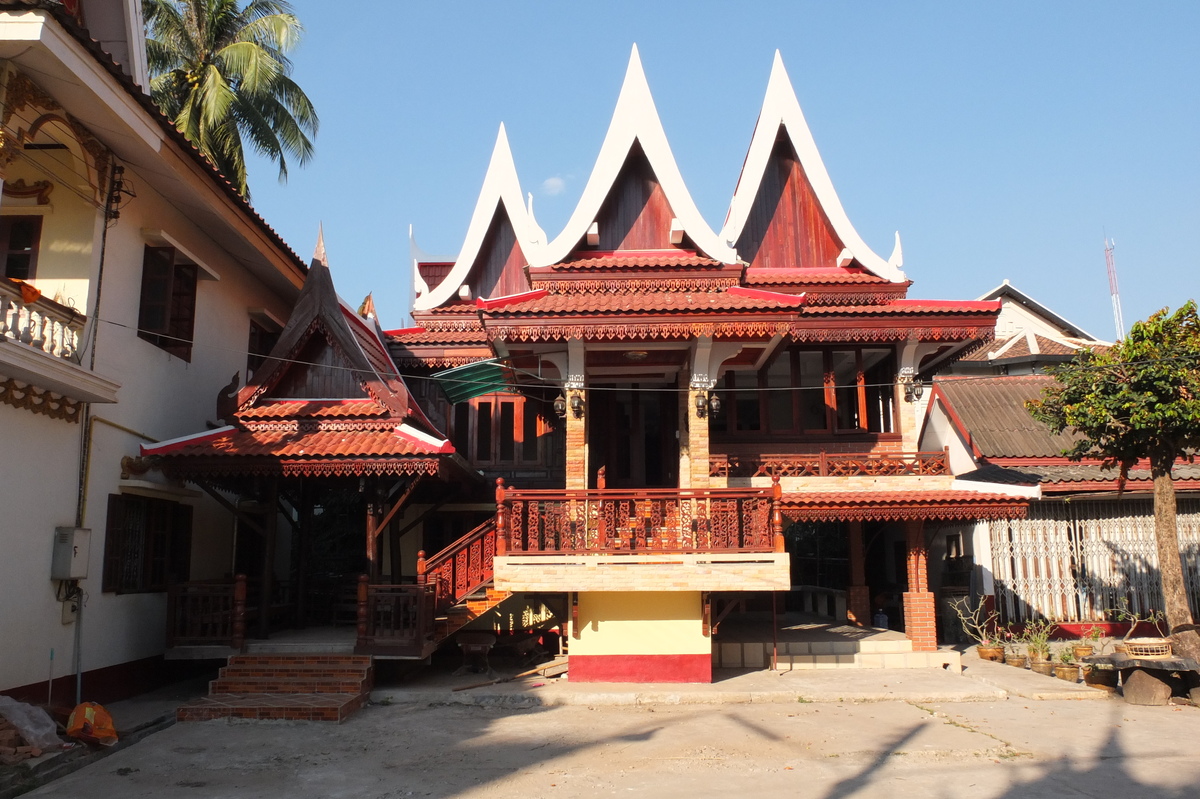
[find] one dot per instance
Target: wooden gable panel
(499, 270)
(787, 228)
(636, 214)
(320, 373)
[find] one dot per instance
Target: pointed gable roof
(634, 143)
(327, 401)
(501, 225)
(782, 131)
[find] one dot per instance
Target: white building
(135, 281)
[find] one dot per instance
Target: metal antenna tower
(1109, 246)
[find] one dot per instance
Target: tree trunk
(1170, 566)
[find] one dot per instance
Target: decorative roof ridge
(781, 109)
(635, 120)
(501, 193)
(1026, 301)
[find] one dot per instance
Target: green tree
(1139, 399)
(222, 75)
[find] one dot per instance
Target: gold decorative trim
(39, 188)
(22, 395)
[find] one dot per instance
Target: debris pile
(13, 748)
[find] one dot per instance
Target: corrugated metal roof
(993, 411)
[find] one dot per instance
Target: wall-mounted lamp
(707, 403)
(560, 406)
(913, 390)
(577, 405)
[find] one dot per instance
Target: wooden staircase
(282, 686)
(458, 616)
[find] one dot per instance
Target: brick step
(293, 707)
(238, 684)
(302, 670)
(497, 596)
(298, 659)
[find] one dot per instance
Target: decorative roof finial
(319, 256)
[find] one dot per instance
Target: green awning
(474, 380)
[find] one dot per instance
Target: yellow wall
(640, 623)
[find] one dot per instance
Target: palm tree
(221, 73)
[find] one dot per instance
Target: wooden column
(859, 610)
(920, 624)
(239, 612)
(266, 588)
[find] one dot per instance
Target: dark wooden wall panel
(499, 269)
(787, 228)
(321, 375)
(636, 214)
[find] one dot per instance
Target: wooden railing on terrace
(825, 464)
(207, 613)
(395, 619)
(639, 520)
(43, 324)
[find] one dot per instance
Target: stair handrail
(452, 586)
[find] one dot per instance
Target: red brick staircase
(278, 686)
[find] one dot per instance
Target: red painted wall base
(640, 668)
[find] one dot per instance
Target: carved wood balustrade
(395, 619)
(207, 613)
(824, 464)
(462, 568)
(639, 520)
(43, 324)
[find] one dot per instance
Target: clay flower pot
(1016, 660)
(990, 652)
(1082, 650)
(1041, 667)
(1104, 679)
(1067, 671)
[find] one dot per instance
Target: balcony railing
(207, 613)
(396, 620)
(641, 521)
(41, 323)
(823, 464)
(461, 568)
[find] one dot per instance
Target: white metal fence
(1073, 561)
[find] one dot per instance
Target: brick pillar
(920, 624)
(697, 436)
(577, 454)
(859, 609)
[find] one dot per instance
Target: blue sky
(1001, 140)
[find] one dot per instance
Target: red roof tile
(756, 277)
(312, 409)
(886, 505)
(298, 443)
(621, 259)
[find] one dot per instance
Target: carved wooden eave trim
(205, 468)
(901, 513)
(20, 394)
(589, 284)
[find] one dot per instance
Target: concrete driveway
(1010, 747)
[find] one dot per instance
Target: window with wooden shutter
(167, 310)
(147, 544)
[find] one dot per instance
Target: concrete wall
(641, 637)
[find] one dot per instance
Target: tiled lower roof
(312, 409)
(944, 504)
(1064, 474)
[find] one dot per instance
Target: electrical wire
(561, 383)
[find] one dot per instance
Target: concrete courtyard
(545, 739)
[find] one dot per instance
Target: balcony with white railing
(40, 353)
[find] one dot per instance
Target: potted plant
(1153, 647)
(1066, 668)
(1037, 641)
(979, 624)
(1014, 654)
(1088, 637)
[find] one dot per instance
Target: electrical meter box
(71, 549)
